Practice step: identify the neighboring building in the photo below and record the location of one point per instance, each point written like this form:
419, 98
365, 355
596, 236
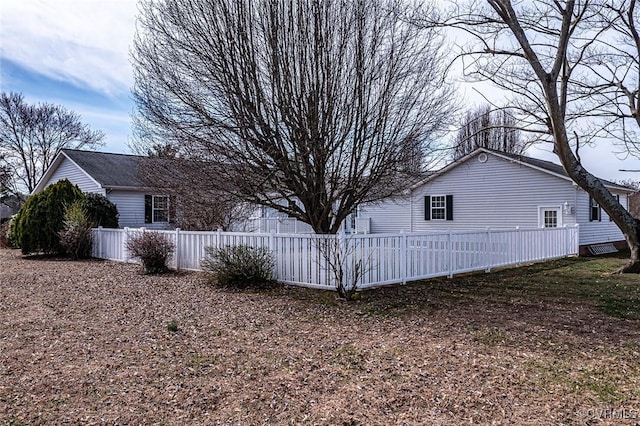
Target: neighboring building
116, 176
497, 190
9, 205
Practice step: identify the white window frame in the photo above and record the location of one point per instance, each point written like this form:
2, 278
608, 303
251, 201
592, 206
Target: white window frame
154, 209
443, 208
542, 209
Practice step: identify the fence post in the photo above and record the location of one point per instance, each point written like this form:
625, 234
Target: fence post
450, 254
518, 256
125, 240
99, 254
177, 252
347, 273
219, 238
576, 238
489, 251
404, 257
272, 241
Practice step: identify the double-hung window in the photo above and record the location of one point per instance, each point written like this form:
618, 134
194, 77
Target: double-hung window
438, 207
156, 208
160, 208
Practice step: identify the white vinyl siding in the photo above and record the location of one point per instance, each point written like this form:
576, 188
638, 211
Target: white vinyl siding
496, 194
130, 206
593, 232
68, 170
393, 215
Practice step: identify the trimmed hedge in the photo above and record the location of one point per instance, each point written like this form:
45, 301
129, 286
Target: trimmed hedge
100, 211
42, 217
38, 224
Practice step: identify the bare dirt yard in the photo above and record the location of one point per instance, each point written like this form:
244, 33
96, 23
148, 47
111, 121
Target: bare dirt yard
95, 342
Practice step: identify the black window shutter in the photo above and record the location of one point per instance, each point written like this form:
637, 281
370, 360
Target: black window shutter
148, 211
427, 207
449, 206
591, 218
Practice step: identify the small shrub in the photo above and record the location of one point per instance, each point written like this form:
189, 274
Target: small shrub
153, 249
239, 266
75, 237
172, 326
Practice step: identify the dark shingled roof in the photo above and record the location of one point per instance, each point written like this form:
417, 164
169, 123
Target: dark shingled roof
110, 170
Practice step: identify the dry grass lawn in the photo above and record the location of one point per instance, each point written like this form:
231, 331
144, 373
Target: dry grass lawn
95, 342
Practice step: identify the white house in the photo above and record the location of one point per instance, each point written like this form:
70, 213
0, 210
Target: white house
497, 190
117, 177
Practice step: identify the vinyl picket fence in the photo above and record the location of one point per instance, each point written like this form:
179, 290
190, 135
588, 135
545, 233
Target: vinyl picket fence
369, 260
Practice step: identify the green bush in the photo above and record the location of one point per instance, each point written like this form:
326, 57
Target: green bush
153, 249
75, 237
100, 211
41, 218
240, 266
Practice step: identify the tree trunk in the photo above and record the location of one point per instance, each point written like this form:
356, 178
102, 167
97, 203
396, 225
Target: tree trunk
594, 187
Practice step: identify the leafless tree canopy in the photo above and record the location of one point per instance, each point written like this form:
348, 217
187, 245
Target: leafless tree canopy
194, 204
484, 127
327, 102
32, 135
545, 54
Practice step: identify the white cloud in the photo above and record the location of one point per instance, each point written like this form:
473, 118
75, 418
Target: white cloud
85, 42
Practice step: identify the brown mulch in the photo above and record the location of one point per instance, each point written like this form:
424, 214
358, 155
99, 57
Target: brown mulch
87, 342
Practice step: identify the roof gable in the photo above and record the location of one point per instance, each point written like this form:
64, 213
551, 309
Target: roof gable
534, 163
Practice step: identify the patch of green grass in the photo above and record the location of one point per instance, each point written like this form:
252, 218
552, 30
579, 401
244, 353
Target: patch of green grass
603, 383
57, 402
492, 337
573, 281
350, 357
199, 360
577, 282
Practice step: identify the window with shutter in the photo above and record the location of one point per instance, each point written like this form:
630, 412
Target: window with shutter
438, 207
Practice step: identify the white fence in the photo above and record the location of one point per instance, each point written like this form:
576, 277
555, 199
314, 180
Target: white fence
287, 225
310, 260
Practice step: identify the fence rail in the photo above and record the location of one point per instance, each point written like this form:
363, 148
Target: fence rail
371, 260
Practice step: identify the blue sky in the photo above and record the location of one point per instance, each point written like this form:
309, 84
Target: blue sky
76, 53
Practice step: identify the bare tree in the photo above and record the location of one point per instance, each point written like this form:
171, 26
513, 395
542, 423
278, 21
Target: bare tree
485, 127
32, 135
319, 102
194, 204
540, 53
